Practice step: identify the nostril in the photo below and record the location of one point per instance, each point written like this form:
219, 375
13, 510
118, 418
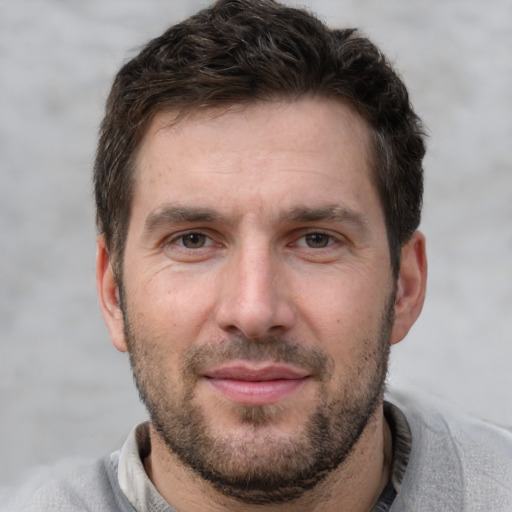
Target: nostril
258, 321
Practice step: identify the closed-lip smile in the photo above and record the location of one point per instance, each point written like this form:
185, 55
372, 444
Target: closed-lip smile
249, 383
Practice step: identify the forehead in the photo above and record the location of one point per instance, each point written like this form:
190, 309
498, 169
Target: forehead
272, 151
313, 115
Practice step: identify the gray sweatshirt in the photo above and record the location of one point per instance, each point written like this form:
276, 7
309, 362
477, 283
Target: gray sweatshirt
456, 463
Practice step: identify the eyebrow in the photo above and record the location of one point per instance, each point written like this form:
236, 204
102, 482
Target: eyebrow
173, 214
334, 213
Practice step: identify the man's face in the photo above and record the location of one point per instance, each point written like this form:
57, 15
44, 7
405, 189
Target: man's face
257, 292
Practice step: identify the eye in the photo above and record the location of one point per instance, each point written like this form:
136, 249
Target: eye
193, 240
318, 240
315, 240
191, 246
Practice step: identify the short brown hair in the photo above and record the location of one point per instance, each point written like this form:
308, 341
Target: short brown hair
240, 51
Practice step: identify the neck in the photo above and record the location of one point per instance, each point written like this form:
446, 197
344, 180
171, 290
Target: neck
356, 485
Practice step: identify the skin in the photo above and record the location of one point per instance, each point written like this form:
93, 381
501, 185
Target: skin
255, 268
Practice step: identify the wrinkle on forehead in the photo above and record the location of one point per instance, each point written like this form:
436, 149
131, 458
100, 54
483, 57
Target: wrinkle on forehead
205, 143
175, 121
270, 121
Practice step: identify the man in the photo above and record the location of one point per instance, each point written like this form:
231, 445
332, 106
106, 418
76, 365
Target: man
258, 185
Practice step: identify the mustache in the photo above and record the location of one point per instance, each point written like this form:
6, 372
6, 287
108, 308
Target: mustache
270, 348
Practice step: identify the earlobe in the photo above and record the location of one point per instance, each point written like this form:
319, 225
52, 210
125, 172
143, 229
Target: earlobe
108, 295
411, 286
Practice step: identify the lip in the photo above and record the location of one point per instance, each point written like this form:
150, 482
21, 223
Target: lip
249, 384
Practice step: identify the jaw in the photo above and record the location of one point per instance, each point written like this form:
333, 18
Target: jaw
365, 467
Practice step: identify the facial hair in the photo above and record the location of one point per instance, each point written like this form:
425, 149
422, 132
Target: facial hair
262, 468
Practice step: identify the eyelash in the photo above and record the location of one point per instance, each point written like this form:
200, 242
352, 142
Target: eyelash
329, 239
202, 238
179, 240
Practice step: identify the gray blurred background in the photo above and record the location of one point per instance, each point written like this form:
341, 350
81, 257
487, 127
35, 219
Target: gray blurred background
64, 390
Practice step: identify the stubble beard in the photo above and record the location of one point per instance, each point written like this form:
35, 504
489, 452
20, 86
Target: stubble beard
262, 468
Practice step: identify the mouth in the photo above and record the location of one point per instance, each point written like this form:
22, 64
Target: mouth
249, 384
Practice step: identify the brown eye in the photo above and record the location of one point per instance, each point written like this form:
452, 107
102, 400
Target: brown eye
193, 240
317, 240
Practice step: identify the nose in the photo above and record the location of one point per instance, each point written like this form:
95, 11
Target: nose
254, 297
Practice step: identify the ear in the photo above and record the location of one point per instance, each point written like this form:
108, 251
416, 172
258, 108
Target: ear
411, 286
108, 295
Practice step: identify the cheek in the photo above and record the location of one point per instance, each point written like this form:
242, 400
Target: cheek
338, 305
169, 308
345, 317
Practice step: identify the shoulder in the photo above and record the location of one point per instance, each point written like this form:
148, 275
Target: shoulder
84, 486
457, 462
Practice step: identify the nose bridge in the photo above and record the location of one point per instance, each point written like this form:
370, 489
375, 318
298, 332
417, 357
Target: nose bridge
255, 275
253, 300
